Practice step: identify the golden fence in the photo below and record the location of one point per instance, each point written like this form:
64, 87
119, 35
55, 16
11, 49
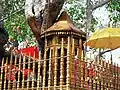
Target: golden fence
25, 73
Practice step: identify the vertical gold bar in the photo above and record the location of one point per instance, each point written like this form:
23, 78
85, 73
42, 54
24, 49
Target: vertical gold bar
62, 65
19, 67
80, 68
9, 81
6, 67
55, 70
44, 66
111, 75
77, 69
72, 62
28, 79
106, 75
68, 64
14, 81
34, 76
108, 67
49, 78
113, 83
39, 77
23, 79
102, 79
1, 76
115, 75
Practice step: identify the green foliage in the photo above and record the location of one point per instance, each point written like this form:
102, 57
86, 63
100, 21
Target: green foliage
114, 8
15, 23
76, 9
77, 12
10, 6
69, 1
17, 27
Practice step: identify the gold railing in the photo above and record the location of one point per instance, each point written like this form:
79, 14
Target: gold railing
26, 73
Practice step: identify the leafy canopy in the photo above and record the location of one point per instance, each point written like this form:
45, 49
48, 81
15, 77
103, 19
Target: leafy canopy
15, 23
114, 9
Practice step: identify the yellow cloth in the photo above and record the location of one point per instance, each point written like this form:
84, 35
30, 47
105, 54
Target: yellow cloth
105, 38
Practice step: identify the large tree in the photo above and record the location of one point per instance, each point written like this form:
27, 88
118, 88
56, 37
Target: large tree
41, 14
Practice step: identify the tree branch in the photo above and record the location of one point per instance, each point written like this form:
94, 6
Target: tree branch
101, 53
51, 11
101, 3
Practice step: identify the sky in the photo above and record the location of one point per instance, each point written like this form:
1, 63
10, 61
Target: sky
115, 56
102, 15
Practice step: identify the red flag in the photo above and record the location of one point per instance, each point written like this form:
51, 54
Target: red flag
30, 51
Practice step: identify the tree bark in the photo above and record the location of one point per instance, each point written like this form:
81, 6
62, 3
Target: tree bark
100, 3
89, 15
41, 14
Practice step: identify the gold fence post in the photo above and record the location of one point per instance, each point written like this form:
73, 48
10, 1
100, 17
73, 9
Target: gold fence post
1, 75
14, 81
117, 78
6, 67
49, 78
68, 64
39, 77
9, 81
44, 65
103, 74
23, 79
28, 79
77, 60
33, 72
72, 64
55, 58
62, 65
19, 67
80, 63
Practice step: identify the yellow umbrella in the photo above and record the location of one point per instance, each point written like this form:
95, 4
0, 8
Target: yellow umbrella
105, 38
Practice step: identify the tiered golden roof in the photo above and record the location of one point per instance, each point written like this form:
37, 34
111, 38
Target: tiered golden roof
64, 24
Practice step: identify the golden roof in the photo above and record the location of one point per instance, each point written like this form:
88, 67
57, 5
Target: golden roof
64, 24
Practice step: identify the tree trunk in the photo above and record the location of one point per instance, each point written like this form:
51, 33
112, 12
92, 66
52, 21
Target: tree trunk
89, 15
41, 14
